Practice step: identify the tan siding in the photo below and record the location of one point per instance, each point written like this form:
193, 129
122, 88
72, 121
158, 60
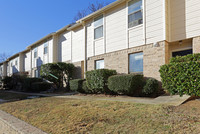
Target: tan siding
116, 28
185, 18
99, 46
64, 44
154, 21
77, 45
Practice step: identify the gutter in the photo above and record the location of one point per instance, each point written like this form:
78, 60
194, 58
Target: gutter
49, 35
101, 10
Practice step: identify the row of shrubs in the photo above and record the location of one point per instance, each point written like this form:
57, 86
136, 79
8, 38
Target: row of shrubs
108, 82
23, 83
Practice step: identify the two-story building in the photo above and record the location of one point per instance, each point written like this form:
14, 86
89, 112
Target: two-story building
130, 36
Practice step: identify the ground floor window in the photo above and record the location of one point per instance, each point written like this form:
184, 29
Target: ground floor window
136, 63
37, 73
99, 64
182, 52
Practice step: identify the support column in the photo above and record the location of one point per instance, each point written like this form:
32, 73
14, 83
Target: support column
5, 69
196, 44
21, 62
55, 48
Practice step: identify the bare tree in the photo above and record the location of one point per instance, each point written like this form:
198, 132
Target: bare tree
93, 7
4, 56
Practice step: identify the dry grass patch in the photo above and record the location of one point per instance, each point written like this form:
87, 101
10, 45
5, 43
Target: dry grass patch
61, 116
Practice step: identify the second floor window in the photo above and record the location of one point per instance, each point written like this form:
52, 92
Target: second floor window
45, 48
16, 63
35, 53
98, 27
134, 13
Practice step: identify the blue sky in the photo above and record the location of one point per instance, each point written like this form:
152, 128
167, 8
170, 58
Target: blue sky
23, 22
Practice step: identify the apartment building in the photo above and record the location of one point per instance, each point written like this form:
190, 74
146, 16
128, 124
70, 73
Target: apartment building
130, 36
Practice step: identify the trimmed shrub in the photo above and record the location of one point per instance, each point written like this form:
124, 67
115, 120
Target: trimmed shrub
76, 85
7, 82
126, 84
187, 58
85, 88
40, 86
97, 80
59, 73
27, 85
151, 86
182, 77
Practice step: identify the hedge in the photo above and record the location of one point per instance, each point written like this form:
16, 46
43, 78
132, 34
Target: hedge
126, 84
187, 58
182, 77
85, 88
151, 86
40, 86
76, 85
27, 84
97, 80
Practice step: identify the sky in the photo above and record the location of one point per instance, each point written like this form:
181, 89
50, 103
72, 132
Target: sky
23, 22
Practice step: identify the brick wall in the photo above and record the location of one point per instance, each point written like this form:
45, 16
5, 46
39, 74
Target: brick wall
196, 45
154, 57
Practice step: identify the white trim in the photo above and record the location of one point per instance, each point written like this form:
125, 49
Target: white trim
144, 19
169, 20
104, 32
164, 20
127, 29
71, 45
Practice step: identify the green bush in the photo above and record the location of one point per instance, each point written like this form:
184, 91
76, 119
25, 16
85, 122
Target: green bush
85, 88
27, 84
126, 84
59, 73
151, 86
187, 58
182, 77
97, 80
76, 85
40, 86
7, 82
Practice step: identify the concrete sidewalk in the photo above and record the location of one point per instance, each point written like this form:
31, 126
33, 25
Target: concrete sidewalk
174, 100
11, 125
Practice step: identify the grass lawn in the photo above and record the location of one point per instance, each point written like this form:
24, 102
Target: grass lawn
61, 116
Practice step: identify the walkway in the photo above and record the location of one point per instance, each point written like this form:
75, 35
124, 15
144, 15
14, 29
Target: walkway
11, 125
174, 100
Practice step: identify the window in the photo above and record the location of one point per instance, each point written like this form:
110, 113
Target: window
45, 48
99, 64
182, 53
134, 13
35, 53
136, 63
37, 73
16, 62
98, 27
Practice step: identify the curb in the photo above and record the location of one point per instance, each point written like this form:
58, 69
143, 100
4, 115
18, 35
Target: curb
19, 125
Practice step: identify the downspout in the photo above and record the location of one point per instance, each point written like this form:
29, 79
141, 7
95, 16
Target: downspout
85, 48
144, 22
31, 62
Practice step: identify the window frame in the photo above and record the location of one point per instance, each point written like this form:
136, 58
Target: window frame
95, 63
129, 63
128, 14
181, 49
96, 27
46, 46
16, 62
35, 55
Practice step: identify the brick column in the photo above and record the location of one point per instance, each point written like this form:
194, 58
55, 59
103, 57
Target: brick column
196, 44
154, 57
